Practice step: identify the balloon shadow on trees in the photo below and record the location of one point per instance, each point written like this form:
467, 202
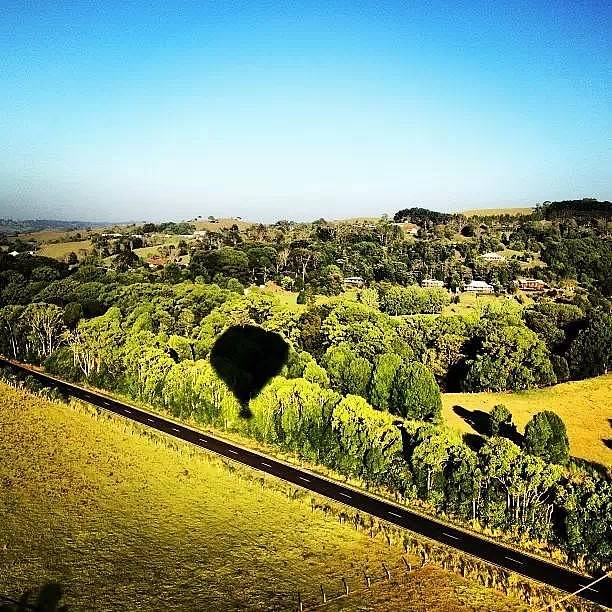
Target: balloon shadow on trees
246, 357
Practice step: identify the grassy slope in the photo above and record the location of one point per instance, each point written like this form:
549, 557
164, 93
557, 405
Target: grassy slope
62, 249
583, 405
122, 522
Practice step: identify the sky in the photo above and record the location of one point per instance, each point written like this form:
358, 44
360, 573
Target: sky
157, 110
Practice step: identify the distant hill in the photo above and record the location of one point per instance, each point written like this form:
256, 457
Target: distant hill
12, 226
489, 212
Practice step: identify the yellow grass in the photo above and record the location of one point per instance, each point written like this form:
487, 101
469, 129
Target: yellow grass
124, 521
62, 249
584, 406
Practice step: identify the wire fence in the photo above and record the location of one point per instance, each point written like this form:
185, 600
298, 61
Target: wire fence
350, 586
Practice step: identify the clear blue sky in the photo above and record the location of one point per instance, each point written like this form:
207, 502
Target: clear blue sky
158, 110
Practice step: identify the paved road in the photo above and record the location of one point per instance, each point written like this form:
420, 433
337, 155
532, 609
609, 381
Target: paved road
509, 558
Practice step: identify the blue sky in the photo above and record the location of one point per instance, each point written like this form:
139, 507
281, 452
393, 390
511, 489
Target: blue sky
268, 110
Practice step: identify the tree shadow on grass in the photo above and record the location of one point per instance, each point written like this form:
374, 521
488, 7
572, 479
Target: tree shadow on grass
48, 600
480, 421
246, 357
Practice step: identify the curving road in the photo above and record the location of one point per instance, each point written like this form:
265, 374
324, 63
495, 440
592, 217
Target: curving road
509, 558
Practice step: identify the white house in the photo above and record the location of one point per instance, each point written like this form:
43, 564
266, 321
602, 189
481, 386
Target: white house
432, 282
477, 286
353, 281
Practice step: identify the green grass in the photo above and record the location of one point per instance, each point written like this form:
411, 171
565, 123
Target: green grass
583, 405
124, 520
469, 301
61, 250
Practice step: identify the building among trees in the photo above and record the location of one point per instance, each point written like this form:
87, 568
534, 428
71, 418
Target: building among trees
478, 286
432, 282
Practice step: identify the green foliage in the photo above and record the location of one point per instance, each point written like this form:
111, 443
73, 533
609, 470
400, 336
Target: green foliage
546, 437
590, 353
499, 416
381, 382
397, 300
415, 393
314, 373
356, 376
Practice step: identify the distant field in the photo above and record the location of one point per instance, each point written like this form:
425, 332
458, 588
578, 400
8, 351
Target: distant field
122, 521
468, 301
46, 235
203, 224
62, 249
497, 211
585, 407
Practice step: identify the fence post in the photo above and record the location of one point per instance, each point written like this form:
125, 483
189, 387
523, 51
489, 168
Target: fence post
368, 580
323, 595
407, 564
300, 604
346, 589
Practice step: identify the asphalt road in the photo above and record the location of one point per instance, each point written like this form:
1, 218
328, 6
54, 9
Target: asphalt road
531, 567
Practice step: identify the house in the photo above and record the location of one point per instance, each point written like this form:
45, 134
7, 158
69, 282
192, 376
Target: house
353, 281
478, 286
531, 284
432, 282
493, 257
14, 253
409, 228
156, 261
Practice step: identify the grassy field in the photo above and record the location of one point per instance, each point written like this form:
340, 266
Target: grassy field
469, 301
583, 405
61, 249
122, 520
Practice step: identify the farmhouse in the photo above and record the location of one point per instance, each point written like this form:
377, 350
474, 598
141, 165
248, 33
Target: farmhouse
353, 281
477, 286
432, 282
531, 284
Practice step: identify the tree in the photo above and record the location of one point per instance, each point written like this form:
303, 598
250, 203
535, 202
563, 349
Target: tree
46, 322
415, 393
499, 417
226, 261
356, 376
381, 382
546, 437
73, 312
314, 373
590, 354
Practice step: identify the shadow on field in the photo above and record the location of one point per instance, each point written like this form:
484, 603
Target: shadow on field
480, 421
246, 357
48, 600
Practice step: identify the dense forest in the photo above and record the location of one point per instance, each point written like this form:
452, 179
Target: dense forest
360, 390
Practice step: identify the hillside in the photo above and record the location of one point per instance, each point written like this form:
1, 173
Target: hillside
583, 405
123, 521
